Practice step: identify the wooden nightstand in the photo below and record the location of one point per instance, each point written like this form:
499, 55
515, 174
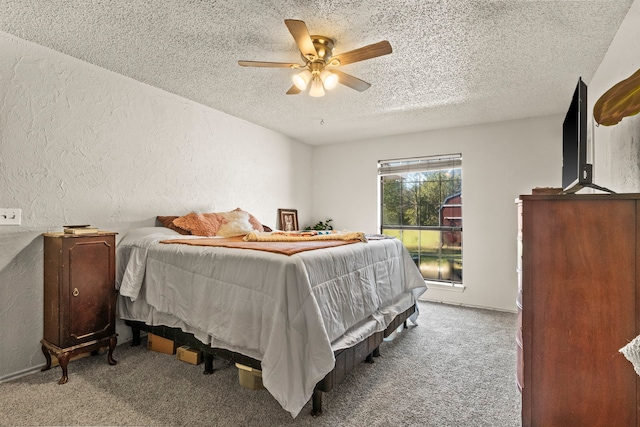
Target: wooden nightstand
79, 296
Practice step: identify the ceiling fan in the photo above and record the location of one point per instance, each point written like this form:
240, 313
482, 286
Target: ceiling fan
317, 54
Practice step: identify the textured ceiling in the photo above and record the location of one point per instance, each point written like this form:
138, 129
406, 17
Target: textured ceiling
454, 62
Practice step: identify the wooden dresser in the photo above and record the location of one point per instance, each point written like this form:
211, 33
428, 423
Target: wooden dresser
580, 302
79, 296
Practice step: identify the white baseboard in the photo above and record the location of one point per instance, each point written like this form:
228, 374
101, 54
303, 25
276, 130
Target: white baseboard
20, 374
424, 298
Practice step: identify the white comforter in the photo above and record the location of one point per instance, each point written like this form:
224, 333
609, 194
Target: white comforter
289, 312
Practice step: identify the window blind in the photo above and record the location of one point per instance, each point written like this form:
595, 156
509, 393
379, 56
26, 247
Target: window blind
419, 164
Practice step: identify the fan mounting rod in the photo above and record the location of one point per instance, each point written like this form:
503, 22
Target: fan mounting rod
324, 48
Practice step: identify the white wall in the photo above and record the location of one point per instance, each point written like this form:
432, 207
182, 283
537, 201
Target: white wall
79, 144
617, 148
500, 162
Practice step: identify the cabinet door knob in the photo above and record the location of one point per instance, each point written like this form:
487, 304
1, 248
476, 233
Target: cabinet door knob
75, 292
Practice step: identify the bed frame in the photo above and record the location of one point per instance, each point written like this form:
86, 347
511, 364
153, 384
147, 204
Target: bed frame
346, 359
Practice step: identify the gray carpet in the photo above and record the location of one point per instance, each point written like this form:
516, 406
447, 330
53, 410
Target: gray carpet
456, 368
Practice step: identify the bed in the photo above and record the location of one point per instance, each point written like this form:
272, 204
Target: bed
291, 314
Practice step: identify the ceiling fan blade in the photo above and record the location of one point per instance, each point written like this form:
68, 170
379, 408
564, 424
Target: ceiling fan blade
269, 64
300, 33
352, 82
293, 90
366, 52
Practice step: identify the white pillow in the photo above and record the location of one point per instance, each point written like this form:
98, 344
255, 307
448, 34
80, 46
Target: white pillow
237, 223
142, 232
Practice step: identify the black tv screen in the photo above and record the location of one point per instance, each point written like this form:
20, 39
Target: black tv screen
576, 173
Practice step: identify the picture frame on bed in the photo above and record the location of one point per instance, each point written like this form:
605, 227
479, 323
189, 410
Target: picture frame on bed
288, 219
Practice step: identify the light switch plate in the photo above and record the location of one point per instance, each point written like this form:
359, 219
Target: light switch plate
10, 216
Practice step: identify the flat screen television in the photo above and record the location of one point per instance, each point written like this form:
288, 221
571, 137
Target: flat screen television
576, 172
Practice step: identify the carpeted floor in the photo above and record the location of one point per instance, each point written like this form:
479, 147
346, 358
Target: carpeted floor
456, 368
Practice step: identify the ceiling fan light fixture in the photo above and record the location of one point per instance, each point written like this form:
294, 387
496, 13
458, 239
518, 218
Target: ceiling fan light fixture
302, 79
317, 90
317, 54
329, 79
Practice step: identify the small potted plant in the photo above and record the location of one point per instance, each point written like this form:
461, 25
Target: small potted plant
320, 226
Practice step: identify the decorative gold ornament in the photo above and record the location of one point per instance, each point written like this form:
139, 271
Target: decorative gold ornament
622, 100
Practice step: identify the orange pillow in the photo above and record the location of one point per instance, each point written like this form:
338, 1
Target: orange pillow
200, 224
209, 224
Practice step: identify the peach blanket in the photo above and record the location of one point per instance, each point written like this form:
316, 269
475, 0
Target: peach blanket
285, 248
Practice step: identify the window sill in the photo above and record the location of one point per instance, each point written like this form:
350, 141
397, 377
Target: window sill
454, 287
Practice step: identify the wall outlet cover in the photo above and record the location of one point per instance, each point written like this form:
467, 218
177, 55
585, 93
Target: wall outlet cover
10, 216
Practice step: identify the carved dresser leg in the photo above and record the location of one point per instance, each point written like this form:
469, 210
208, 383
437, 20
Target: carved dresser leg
113, 341
63, 360
47, 356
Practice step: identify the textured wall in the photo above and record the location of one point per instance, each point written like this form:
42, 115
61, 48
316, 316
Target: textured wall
617, 148
79, 144
500, 162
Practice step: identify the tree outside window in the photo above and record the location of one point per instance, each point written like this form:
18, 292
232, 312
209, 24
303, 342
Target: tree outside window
421, 204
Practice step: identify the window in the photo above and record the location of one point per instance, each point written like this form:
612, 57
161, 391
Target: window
421, 204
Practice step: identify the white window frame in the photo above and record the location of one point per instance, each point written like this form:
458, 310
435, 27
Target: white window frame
420, 164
